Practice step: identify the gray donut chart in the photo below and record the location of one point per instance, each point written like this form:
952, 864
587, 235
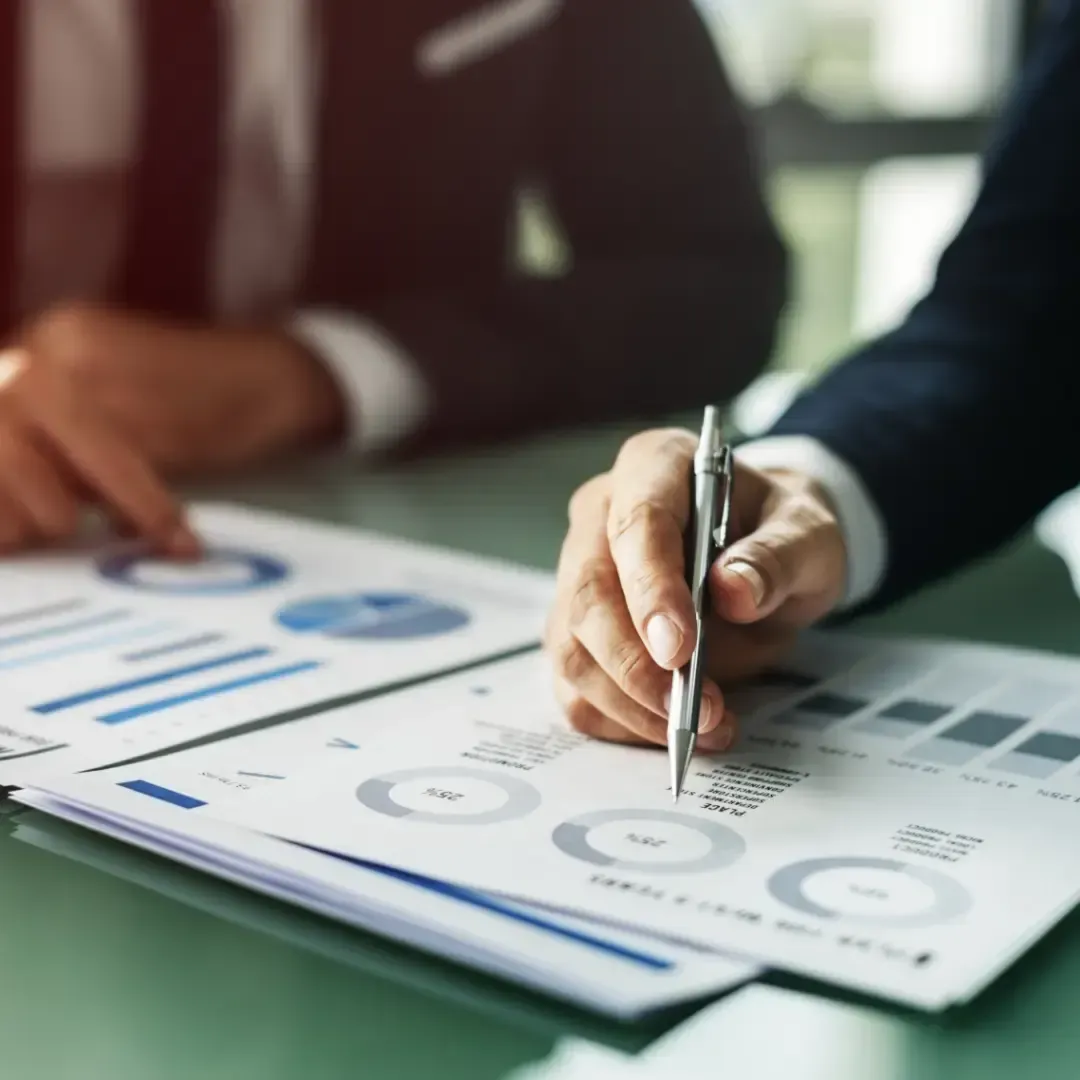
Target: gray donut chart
725, 845
377, 793
951, 899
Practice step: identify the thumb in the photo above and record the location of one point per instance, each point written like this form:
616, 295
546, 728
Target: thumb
796, 552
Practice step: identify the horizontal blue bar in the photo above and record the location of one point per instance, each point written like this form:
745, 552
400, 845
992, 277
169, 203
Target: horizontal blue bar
177, 798
136, 711
103, 642
489, 903
86, 696
101, 619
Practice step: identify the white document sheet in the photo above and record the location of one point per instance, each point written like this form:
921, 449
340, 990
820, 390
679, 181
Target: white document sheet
169, 805
899, 818
112, 655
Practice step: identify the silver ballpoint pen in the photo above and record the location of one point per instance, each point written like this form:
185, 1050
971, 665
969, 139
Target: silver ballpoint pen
707, 534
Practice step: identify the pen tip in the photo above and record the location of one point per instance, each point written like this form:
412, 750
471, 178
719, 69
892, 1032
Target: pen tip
680, 750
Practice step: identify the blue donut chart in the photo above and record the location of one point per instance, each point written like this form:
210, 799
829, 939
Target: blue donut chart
373, 616
260, 571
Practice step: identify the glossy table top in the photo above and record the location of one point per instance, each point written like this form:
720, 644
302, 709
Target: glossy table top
115, 964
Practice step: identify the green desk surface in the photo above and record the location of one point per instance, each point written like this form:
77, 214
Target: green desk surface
114, 964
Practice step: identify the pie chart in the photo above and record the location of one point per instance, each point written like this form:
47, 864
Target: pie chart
378, 616
649, 841
449, 795
871, 891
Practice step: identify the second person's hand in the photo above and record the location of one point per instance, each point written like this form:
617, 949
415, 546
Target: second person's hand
57, 457
623, 618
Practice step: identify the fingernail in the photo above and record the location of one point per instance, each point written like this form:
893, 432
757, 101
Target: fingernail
664, 638
752, 578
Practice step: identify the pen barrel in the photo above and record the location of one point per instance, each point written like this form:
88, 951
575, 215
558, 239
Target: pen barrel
686, 683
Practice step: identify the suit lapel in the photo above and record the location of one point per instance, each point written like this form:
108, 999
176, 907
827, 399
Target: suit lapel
175, 184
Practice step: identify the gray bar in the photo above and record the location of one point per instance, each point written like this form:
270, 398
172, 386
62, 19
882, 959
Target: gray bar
835, 705
1051, 745
903, 718
984, 728
968, 738
210, 638
913, 711
820, 711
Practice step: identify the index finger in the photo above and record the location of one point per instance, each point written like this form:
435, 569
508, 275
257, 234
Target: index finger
110, 467
650, 505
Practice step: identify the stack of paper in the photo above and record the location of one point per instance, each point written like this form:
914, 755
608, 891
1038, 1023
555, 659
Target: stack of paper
182, 805
897, 819
105, 657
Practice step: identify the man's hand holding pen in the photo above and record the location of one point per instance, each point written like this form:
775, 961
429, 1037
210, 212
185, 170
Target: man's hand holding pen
623, 618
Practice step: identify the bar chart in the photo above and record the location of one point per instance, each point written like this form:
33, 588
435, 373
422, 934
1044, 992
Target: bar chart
79, 665
913, 707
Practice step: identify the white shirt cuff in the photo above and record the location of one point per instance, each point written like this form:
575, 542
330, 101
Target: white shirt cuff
386, 397
860, 521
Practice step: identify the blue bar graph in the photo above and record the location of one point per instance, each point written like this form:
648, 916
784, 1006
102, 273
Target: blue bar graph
137, 711
172, 647
103, 618
84, 697
155, 791
91, 645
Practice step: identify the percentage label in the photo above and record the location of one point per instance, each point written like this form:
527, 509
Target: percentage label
441, 793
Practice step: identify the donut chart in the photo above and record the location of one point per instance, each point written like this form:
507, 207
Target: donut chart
219, 572
373, 616
455, 795
870, 891
650, 841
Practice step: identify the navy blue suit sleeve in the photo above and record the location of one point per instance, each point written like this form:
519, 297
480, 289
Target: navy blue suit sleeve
963, 422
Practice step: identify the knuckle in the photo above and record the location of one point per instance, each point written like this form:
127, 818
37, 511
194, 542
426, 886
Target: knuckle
807, 515
648, 583
669, 443
597, 587
588, 495
572, 660
645, 516
676, 445
631, 665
